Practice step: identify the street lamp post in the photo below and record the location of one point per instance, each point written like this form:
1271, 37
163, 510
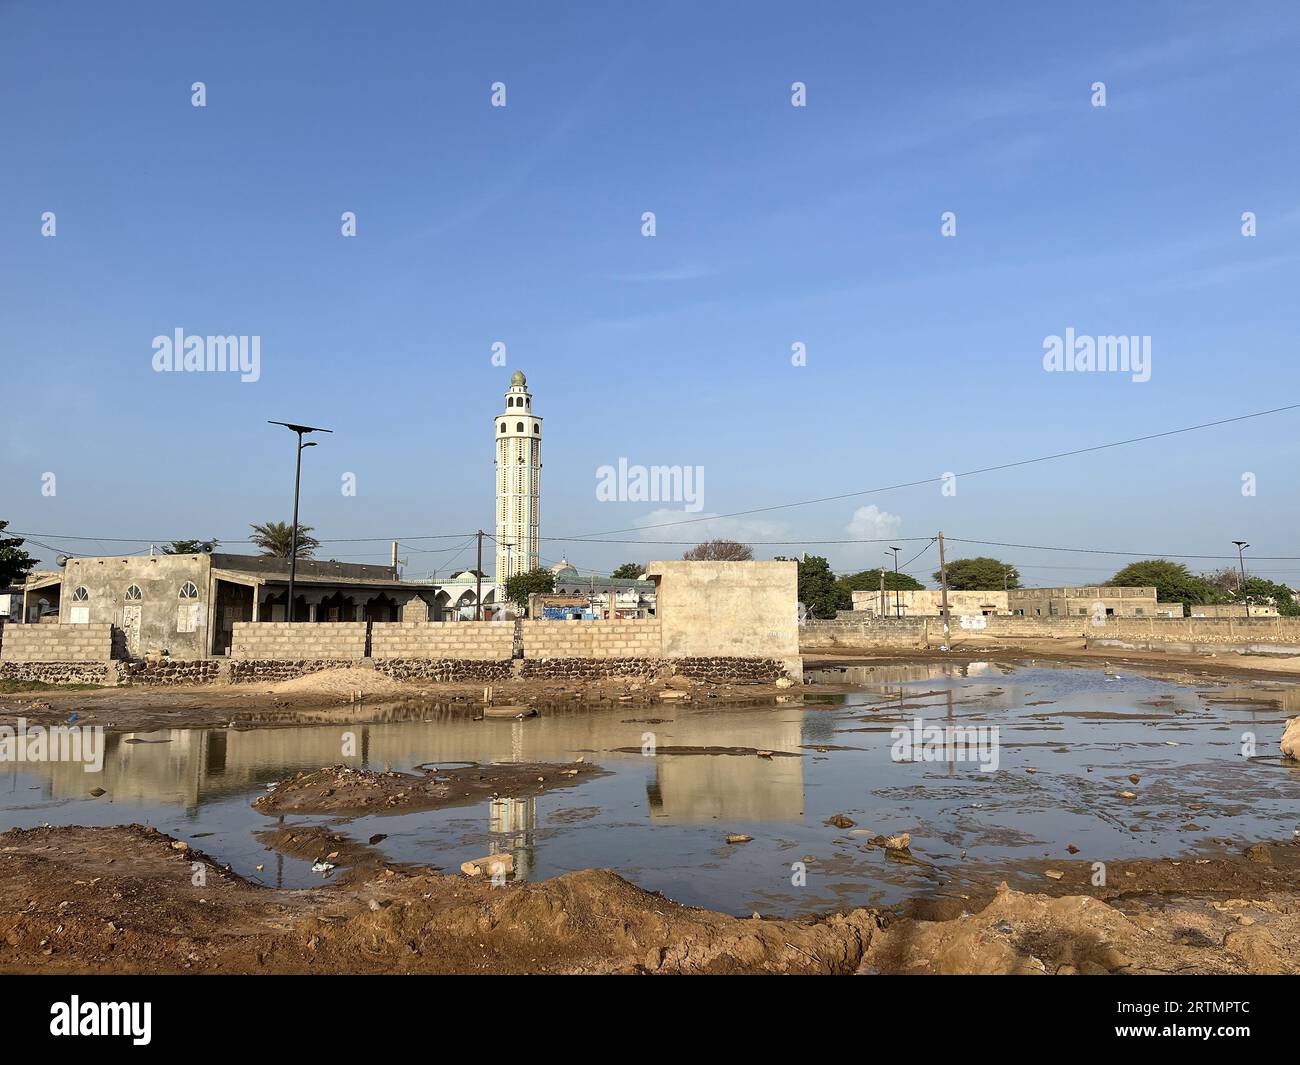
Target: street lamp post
1241, 545
898, 610
301, 430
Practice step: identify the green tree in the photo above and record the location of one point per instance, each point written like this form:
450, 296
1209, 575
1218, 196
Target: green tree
819, 591
275, 538
868, 580
190, 547
1259, 590
539, 581
629, 571
15, 563
1174, 582
980, 574
719, 551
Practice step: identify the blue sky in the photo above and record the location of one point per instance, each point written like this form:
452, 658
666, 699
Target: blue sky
775, 225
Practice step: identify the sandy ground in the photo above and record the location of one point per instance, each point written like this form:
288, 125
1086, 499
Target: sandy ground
127, 899
325, 699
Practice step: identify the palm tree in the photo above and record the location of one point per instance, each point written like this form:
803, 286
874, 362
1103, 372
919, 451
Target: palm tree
275, 538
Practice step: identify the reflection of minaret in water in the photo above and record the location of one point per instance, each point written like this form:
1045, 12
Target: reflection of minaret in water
513, 822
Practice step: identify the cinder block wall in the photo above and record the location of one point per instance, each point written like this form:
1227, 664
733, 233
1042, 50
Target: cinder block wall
630, 638
852, 634
57, 643
283, 641
478, 641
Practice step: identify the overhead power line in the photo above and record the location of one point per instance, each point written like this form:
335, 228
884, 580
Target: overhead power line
940, 478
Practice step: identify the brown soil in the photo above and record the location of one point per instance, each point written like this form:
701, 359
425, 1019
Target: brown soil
341, 789
118, 900
302, 701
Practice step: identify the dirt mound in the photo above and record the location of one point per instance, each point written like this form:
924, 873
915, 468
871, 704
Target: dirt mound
341, 681
344, 790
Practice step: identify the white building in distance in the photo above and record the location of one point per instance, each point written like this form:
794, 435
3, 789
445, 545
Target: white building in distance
519, 468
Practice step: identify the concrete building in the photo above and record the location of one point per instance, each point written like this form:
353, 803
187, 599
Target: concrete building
1233, 610
1109, 600
927, 602
606, 597
519, 466
188, 604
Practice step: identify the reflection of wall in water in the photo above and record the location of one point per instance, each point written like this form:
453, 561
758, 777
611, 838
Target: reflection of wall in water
513, 824
701, 787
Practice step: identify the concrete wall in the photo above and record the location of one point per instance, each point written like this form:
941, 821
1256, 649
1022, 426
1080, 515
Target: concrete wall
283, 641
57, 643
633, 638
742, 610
852, 632
480, 641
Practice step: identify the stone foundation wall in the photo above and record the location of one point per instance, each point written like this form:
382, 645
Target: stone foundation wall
57, 672
444, 669
731, 670
270, 671
57, 643
169, 671
283, 641
485, 641
591, 668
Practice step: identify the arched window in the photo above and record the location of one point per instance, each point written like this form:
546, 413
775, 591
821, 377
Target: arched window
503, 427
510, 401
519, 428
81, 595
133, 594
537, 429
189, 591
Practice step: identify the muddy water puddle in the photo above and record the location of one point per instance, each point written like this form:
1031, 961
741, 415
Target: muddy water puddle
976, 805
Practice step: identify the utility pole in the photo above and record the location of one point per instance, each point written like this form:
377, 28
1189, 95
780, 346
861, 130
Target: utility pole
394, 560
943, 584
882, 591
898, 609
478, 580
1241, 586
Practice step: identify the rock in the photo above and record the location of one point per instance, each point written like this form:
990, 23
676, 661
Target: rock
97, 792
1291, 739
898, 843
1260, 854
737, 837
178, 845
1127, 794
492, 865
1133, 778
840, 821
1054, 874
1072, 849
784, 682
378, 837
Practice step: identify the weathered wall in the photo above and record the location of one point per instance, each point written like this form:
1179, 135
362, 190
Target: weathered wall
482, 641
159, 578
729, 610
862, 632
283, 641
57, 643
851, 631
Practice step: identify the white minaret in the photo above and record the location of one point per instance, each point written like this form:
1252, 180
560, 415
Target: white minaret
519, 467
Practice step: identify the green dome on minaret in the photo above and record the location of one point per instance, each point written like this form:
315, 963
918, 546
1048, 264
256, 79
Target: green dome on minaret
518, 378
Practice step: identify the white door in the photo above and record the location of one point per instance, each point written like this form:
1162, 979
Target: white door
131, 627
